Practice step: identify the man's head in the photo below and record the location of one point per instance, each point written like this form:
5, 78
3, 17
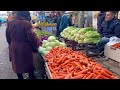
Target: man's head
58, 14
62, 12
70, 15
14, 13
109, 15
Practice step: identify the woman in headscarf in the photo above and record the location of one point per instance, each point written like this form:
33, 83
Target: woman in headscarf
21, 39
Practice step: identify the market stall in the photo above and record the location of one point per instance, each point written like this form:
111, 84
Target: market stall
70, 58
62, 62
74, 66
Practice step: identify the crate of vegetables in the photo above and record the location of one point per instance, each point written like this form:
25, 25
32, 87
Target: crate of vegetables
64, 63
113, 52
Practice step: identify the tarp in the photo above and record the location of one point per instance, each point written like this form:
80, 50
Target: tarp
2, 19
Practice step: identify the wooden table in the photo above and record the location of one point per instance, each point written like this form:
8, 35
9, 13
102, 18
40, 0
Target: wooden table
48, 72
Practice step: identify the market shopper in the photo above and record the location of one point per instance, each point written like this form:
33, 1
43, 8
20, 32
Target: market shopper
63, 22
100, 19
58, 24
20, 37
110, 27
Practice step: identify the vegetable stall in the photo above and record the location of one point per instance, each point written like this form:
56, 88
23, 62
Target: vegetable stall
63, 62
49, 27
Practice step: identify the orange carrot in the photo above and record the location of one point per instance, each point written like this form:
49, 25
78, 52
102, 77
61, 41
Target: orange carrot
51, 69
84, 71
59, 77
108, 72
67, 61
107, 75
68, 76
60, 60
90, 76
78, 77
84, 77
103, 77
96, 72
98, 77
77, 64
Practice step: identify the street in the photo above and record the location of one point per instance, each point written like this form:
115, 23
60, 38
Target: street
6, 71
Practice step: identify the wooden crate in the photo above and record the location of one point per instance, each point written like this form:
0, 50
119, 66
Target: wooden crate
48, 72
112, 53
90, 49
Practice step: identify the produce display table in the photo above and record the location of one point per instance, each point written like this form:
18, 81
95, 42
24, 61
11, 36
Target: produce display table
49, 75
49, 29
48, 72
88, 47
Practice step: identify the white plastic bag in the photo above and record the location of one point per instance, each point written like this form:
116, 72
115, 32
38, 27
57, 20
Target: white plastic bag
113, 40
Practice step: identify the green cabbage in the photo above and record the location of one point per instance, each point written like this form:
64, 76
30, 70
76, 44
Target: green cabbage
92, 40
92, 34
84, 30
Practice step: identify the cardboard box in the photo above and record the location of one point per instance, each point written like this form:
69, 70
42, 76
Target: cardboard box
112, 53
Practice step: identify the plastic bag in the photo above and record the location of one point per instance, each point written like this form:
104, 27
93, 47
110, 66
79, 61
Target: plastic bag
113, 40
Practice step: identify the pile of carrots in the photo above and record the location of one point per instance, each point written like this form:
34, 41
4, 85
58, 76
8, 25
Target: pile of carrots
117, 45
64, 63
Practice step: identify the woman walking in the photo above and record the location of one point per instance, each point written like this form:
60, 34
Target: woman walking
21, 39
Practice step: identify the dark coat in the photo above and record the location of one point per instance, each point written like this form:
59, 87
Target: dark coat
58, 25
100, 19
20, 37
70, 21
110, 28
58, 22
63, 23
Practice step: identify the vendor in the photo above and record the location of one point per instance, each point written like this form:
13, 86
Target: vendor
63, 22
110, 27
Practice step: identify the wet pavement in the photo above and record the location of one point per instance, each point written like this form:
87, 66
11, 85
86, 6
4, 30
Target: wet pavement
6, 71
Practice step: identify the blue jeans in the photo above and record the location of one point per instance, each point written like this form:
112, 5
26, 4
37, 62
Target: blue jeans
101, 45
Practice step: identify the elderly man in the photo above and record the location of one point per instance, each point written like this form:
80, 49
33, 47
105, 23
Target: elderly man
110, 27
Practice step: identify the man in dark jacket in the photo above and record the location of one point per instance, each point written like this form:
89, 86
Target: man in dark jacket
110, 27
58, 23
63, 22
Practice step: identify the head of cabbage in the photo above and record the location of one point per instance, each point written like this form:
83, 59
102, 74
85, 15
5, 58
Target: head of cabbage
41, 49
62, 44
51, 38
52, 44
92, 40
92, 34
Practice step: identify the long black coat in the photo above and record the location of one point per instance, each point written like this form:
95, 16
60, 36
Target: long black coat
21, 39
110, 28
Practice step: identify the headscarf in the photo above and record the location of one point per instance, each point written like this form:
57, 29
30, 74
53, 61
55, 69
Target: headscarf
25, 14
